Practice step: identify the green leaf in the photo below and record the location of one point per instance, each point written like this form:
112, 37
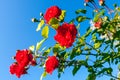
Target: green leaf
98, 15
57, 48
81, 18
97, 44
54, 23
75, 52
47, 52
44, 74
39, 44
32, 48
45, 32
119, 66
40, 25
88, 32
94, 38
108, 70
76, 68
91, 76
115, 5
43, 49
80, 11
61, 17
71, 21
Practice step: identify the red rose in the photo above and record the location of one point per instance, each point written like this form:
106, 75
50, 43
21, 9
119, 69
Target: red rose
23, 57
17, 70
52, 12
51, 64
98, 24
66, 34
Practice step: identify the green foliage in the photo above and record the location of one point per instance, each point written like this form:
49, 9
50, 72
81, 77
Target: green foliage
39, 44
46, 52
40, 25
75, 52
97, 44
76, 68
54, 23
91, 76
32, 48
62, 16
105, 71
95, 53
45, 32
44, 74
98, 15
81, 11
81, 18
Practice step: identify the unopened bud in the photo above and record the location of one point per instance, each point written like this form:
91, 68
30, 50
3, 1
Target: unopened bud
41, 14
13, 57
34, 20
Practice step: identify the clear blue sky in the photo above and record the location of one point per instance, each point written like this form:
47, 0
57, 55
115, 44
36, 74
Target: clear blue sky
18, 32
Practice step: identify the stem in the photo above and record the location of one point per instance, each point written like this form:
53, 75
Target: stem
41, 57
112, 76
110, 40
88, 54
93, 3
92, 47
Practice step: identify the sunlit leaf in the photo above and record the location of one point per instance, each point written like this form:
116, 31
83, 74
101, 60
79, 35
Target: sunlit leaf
98, 15
32, 48
39, 44
40, 25
88, 32
54, 23
44, 74
61, 17
46, 52
81, 18
91, 76
75, 70
80, 11
45, 31
97, 44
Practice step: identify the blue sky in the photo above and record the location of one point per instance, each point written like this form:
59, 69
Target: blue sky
18, 32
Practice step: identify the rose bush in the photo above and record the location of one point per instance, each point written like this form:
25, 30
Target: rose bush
99, 47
